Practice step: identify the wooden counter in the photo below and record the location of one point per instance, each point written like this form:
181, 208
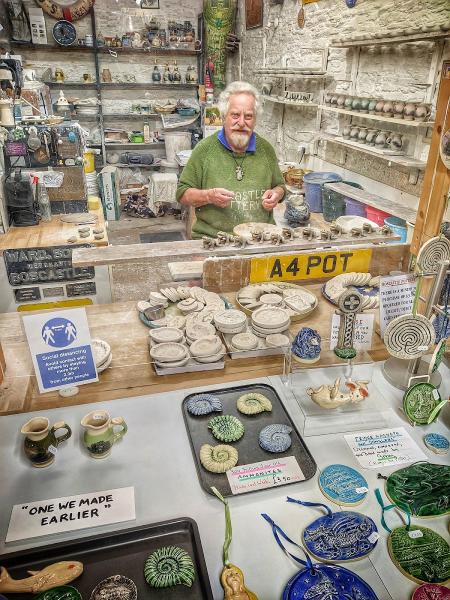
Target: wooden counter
131, 373
51, 233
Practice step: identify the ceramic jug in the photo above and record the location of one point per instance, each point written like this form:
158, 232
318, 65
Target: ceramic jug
356, 104
346, 132
354, 132
372, 105
388, 109
327, 98
399, 107
380, 140
99, 435
379, 107
371, 136
364, 105
362, 135
422, 112
409, 111
41, 442
394, 141
340, 101
348, 103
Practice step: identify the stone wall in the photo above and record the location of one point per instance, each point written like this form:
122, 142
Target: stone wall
389, 72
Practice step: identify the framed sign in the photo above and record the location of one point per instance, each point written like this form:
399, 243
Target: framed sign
253, 14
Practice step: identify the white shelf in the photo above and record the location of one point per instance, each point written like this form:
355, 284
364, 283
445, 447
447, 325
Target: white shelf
279, 100
300, 73
404, 161
396, 38
354, 113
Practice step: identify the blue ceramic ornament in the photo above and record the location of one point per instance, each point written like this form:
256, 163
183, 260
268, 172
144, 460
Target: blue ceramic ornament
203, 404
316, 581
343, 485
339, 536
350, 3
306, 346
436, 442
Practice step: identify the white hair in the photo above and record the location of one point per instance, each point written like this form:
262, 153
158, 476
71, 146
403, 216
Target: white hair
238, 87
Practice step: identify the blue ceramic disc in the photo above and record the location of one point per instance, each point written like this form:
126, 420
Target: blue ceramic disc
436, 442
345, 536
343, 485
328, 582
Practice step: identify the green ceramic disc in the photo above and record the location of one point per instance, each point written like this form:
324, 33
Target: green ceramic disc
169, 566
419, 402
62, 592
424, 559
423, 487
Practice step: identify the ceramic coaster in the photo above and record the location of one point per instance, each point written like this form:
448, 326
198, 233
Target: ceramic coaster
277, 340
115, 587
431, 591
271, 299
166, 334
244, 341
436, 442
432, 253
409, 336
420, 403
168, 352
343, 485
422, 487
271, 318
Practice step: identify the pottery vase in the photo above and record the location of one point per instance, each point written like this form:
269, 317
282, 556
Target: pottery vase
340, 101
379, 107
388, 109
348, 103
364, 105
409, 111
372, 105
380, 140
346, 132
41, 442
394, 141
422, 112
362, 135
399, 107
100, 435
371, 136
354, 132
356, 104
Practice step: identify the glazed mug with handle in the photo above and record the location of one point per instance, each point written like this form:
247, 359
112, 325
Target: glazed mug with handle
101, 432
41, 442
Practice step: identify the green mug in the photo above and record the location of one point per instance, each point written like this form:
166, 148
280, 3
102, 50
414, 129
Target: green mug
101, 432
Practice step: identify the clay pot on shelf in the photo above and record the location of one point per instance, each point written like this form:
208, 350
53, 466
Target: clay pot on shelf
422, 112
346, 132
388, 109
364, 105
394, 141
379, 107
362, 135
348, 103
371, 107
409, 111
371, 136
334, 99
327, 98
340, 101
354, 132
380, 140
399, 107
356, 104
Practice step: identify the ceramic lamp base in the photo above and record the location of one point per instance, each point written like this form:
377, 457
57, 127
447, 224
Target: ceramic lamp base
305, 361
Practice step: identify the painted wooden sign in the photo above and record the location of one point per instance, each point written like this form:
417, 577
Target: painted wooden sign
315, 265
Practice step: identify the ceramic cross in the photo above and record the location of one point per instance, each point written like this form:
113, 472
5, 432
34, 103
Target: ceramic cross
350, 304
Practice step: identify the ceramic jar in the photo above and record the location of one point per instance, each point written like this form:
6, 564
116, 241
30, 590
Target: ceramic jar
356, 104
379, 107
388, 109
399, 107
380, 140
354, 132
362, 135
340, 101
100, 436
394, 141
348, 103
365, 105
409, 111
371, 107
422, 112
371, 136
346, 132
41, 443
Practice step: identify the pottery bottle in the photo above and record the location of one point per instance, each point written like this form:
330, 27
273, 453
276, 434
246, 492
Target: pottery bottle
379, 107
356, 104
100, 435
388, 109
409, 111
422, 112
354, 132
346, 132
372, 105
167, 74
41, 443
364, 105
156, 74
371, 136
380, 140
362, 134
348, 103
399, 107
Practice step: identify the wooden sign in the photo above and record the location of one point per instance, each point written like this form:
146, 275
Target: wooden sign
317, 265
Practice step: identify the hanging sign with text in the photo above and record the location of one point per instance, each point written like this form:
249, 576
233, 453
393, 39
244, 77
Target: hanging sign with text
60, 346
264, 474
396, 297
363, 331
33, 519
316, 265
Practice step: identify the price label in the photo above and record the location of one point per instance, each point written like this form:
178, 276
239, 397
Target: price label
52, 449
416, 533
317, 265
265, 474
373, 537
436, 395
361, 490
98, 417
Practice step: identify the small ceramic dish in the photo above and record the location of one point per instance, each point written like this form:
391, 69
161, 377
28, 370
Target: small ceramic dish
206, 347
166, 334
212, 359
230, 330
200, 330
172, 364
271, 299
154, 312
142, 305
244, 341
277, 340
101, 351
229, 319
270, 318
168, 352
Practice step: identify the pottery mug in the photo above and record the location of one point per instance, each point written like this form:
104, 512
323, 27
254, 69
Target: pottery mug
348, 103
100, 435
422, 112
41, 442
362, 135
346, 132
334, 99
394, 141
399, 107
388, 109
372, 105
380, 140
365, 105
340, 101
356, 104
354, 132
371, 136
379, 107
409, 111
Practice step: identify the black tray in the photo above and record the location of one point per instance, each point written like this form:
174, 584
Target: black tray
248, 446
120, 553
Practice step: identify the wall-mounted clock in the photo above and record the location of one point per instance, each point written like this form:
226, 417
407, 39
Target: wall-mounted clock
64, 33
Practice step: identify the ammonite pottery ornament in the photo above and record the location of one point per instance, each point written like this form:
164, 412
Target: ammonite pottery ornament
253, 404
339, 536
226, 428
422, 403
169, 566
116, 587
62, 592
275, 438
343, 485
203, 404
409, 336
423, 488
218, 459
431, 591
432, 253
232, 581
436, 442
318, 581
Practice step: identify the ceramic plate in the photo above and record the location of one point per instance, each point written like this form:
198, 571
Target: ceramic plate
168, 352
206, 347
165, 334
245, 229
343, 485
409, 336
268, 318
419, 402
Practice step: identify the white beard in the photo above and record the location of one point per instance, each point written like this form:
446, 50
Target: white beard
240, 140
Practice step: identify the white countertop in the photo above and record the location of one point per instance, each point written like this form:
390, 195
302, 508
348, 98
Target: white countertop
155, 457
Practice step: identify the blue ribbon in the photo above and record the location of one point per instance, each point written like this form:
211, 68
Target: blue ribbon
277, 530
304, 503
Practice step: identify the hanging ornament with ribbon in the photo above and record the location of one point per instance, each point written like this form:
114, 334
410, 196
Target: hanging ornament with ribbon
231, 578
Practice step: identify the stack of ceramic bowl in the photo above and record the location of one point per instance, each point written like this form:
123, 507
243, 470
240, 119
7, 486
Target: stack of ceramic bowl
102, 354
195, 331
163, 335
170, 354
230, 321
156, 298
270, 320
207, 349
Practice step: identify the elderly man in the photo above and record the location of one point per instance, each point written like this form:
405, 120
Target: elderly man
232, 177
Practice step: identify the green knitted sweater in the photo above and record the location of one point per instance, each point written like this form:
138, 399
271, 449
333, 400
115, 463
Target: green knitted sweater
211, 165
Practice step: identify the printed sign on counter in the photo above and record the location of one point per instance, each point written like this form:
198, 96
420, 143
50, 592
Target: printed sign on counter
60, 345
33, 519
315, 265
384, 448
264, 474
363, 331
396, 297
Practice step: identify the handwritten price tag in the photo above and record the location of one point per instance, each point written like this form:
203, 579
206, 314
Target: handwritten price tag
264, 474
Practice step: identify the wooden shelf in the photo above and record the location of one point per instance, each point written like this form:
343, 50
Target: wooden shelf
51, 47
131, 145
354, 113
402, 160
300, 74
418, 36
277, 100
107, 49
118, 117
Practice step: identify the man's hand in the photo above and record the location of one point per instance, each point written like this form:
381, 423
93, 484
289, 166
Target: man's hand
272, 197
220, 197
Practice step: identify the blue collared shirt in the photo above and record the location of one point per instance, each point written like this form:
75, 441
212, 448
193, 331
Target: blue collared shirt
223, 140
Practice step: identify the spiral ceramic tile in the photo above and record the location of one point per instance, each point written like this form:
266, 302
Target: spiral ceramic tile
419, 402
226, 428
253, 404
169, 566
275, 438
218, 459
203, 404
409, 336
432, 253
